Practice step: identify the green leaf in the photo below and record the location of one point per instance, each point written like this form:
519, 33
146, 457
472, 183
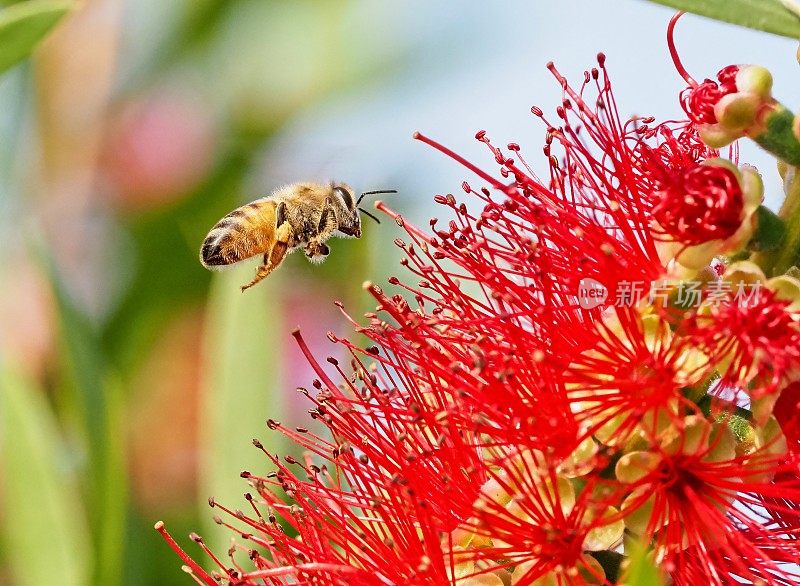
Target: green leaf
112, 502
44, 525
242, 388
640, 570
770, 231
23, 25
778, 260
97, 399
771, 16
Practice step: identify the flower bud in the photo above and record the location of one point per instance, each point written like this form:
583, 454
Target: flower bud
486, 579
605, 536
786, 288
737, 112
715, 136
689, 438
638, 510
754, 79
745, 272
635, 466
722, 444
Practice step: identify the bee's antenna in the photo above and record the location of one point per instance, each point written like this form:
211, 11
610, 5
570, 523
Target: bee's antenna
373, 193
365, 212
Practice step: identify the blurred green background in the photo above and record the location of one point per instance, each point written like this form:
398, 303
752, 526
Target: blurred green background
131, 379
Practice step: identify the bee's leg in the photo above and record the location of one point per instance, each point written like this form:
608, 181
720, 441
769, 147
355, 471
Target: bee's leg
261, 272
316, 249
273, 258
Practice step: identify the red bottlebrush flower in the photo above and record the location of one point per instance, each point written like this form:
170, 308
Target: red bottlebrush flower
499, 431
632, 381
738, 104
699, 100
755, 339
710, 511
531, 515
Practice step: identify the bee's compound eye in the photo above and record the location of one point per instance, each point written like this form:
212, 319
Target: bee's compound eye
345, 196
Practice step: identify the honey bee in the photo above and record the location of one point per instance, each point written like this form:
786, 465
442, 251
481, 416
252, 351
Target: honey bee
298, 215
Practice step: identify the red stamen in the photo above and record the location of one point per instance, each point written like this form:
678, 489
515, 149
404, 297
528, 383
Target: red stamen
312, 360
299, 568
676, 60
200, 572
508, 189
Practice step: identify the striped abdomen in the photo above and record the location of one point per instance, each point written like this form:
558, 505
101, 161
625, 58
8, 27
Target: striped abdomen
245, 232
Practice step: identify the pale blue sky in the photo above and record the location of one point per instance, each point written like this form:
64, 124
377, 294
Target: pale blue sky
482, 65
